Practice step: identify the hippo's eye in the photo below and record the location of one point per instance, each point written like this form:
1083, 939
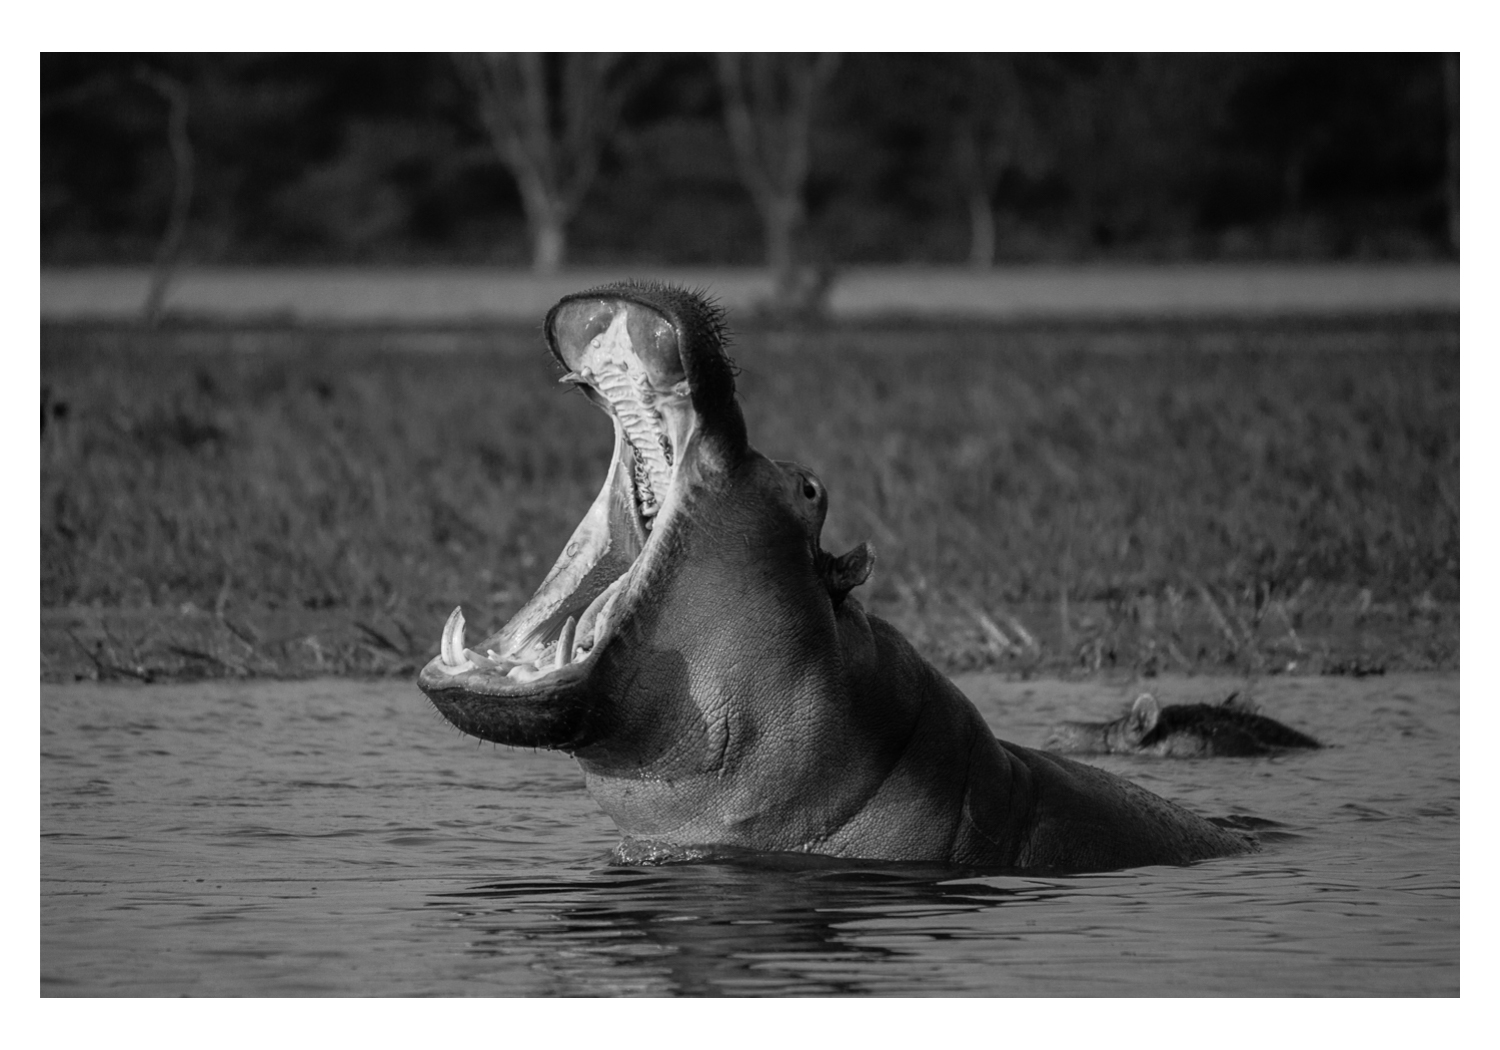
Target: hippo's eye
809, 488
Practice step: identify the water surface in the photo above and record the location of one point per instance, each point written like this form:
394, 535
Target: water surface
339, 838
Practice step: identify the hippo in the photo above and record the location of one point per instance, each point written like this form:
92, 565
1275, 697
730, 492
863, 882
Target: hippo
1231, 728
702, 658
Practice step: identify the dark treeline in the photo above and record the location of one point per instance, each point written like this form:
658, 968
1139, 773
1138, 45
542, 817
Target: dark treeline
702, 159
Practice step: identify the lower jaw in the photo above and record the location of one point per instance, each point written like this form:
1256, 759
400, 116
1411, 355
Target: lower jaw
558, 717
547, 671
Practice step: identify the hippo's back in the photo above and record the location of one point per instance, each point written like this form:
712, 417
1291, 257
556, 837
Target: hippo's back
1220, 729
1086, 819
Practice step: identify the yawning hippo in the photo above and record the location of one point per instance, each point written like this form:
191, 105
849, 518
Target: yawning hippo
697, 651
1232, 728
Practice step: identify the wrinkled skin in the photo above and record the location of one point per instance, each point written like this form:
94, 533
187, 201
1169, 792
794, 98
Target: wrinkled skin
1229, 729
720, 687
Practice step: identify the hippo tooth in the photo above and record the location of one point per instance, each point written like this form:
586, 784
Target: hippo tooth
601, 620
565, 643
587, 620
453, 637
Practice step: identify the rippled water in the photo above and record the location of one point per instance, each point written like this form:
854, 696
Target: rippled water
337, 837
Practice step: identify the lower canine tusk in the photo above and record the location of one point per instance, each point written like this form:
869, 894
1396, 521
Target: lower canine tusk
453, 638
565, 643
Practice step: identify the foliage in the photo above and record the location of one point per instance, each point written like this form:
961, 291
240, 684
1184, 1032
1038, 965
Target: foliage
383, 158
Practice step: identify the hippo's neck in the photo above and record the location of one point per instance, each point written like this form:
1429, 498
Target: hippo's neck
729, 707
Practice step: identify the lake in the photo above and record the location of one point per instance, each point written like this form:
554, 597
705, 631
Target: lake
337, 837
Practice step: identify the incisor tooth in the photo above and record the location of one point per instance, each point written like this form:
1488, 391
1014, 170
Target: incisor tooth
525, 673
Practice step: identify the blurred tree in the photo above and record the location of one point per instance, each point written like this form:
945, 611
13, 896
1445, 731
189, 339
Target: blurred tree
995, 130
1129, 131
174, 93
549, 118
96, 90
668, 191
1344, 155
768, 110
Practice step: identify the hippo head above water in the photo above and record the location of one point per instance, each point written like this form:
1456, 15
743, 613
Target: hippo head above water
687, 509
699, 654
1231, 728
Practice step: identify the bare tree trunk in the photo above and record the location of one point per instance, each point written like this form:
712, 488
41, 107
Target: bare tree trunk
549, 131
549, 243
784, 218
170, 248
978, 177
546, 223
768, 108
981, 230
994, 130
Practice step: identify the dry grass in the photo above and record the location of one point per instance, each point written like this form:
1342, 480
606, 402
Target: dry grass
286, 501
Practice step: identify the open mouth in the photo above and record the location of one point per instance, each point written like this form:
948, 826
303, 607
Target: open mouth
624, 357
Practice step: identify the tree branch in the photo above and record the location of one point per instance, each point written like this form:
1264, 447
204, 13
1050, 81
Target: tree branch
550, 132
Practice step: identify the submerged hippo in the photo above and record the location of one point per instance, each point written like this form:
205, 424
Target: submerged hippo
1232, 728
698, 653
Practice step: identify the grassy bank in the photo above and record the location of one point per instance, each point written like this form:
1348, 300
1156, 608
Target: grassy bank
1047, 498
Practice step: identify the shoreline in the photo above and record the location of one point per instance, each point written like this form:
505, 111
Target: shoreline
1024, 641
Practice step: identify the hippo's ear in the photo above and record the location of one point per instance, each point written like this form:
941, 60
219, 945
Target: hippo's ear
1143, 715
846, 572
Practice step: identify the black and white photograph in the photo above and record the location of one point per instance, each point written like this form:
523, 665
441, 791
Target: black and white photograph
701, 524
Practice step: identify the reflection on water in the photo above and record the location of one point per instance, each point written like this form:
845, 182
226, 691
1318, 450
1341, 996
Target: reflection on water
718, 929
338, 838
